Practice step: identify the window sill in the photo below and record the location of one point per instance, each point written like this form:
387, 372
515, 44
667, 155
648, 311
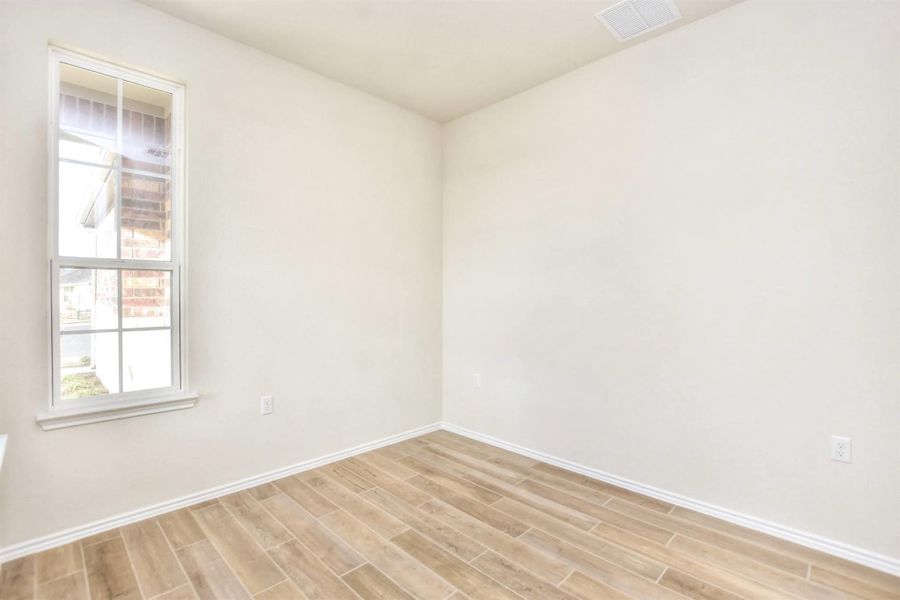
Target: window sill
58, 419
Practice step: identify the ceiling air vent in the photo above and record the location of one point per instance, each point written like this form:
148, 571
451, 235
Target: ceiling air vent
631, 18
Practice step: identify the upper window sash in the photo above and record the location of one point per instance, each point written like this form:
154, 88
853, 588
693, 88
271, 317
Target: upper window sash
109, 154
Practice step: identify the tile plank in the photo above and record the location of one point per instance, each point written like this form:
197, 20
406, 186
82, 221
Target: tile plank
56, 562
210, 577
487, 468
372, 584
394, 452
775, 559
551, 507
17, 578
457, 484
438, 532
379, 478
494, 518
517, 578
386, 464
723, 559
154, 563
266, 490
298, 491
490, 453
692, 587
310, 574
468, 579
100, 537
253, 567
181, 528
437, 461
185, 592
601, 513
850, 585
256, 520
203, 504
604, 571
601, 487
70, 587
721, 578
383, 523
328, 547
627, 559
539, 563
581, 586
408, 573
848, 569
346, 477
109, 571
286, 590
856, 572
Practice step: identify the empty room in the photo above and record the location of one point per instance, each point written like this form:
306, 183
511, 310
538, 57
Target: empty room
450, 299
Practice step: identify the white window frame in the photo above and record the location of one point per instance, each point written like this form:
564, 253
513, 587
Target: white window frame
66, 413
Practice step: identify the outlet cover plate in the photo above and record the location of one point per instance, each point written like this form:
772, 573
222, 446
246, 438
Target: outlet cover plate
841, 448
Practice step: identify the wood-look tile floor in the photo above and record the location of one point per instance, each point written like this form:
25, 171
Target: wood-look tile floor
437, 517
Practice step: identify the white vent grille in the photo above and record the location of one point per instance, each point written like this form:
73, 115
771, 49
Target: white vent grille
630, 18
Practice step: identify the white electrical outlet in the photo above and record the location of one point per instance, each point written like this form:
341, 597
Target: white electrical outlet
266, 405
476, 380
841, 448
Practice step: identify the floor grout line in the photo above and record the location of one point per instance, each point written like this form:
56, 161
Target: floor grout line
87, 581
277, 583
67, 574
367, 561
661, 574
116, 529
178, 587
283, 526
131, 562
419, 531
563, 580
221, 556
175, 554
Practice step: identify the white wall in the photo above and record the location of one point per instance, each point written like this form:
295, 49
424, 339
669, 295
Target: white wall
314, 273
680, 265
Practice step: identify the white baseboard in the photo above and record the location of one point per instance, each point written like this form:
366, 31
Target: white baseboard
75, 533
854, 554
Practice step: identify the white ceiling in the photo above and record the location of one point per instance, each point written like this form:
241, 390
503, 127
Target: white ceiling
440, 58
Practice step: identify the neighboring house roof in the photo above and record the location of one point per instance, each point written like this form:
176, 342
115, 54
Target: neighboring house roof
75, 276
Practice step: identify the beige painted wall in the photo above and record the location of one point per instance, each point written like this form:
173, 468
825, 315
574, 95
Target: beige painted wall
314, 271
680, 265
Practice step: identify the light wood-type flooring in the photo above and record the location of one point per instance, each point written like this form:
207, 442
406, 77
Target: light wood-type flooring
438, 517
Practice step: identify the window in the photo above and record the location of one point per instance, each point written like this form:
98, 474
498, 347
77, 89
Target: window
116, 241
